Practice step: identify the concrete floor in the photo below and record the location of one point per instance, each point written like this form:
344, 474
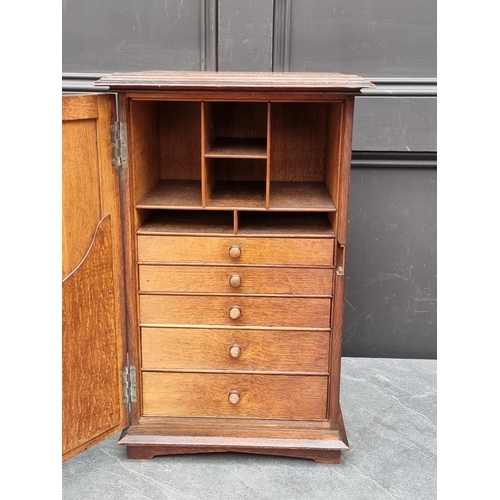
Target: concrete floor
389, 408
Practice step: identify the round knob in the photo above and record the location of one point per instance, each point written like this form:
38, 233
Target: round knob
234, 312
234, 397
234, 251
235, 280
235, 351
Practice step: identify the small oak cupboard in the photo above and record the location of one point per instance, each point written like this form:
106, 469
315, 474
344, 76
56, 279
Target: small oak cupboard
204, 244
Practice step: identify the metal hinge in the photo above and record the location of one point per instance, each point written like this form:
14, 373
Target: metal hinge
129, 384
119, 144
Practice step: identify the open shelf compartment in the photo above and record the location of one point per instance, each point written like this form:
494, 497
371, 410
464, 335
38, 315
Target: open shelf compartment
245, 156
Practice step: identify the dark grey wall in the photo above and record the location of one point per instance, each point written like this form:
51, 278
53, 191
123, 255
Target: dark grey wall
390, 308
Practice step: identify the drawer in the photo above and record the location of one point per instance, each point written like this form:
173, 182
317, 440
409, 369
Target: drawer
215, 250
235, 350
242, 280
299, 397
304, 312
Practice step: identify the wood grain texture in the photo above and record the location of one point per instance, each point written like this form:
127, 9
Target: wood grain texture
334, 131
243, 120
231, 147
151, 451
298, 438
93, 308
246, 195
275, 311
268, 155
252, 280
336, 340
260, 350
91, 386
178, 194
144, 149
195, 179
77, 107
275, 81
255, 223
178, 222
344, 169
207, 165
262, 396
267, 251
299, 141
170, 430
132, 218
81, 209
286, 223
296, 196
180, 140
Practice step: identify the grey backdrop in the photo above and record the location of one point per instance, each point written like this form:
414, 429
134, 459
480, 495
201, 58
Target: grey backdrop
390, 306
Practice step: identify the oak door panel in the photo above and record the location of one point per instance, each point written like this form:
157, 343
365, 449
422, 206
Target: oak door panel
93, 331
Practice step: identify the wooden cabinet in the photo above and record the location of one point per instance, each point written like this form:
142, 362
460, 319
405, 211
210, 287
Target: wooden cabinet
203, 292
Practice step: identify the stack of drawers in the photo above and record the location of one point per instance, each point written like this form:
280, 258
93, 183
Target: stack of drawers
235, 327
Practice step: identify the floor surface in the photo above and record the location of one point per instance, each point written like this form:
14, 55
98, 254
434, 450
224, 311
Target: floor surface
389, 409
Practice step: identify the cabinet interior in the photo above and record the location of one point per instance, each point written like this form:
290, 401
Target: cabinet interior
235, 166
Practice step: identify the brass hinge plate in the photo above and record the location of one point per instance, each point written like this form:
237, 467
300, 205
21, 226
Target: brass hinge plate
119, 144
129, 385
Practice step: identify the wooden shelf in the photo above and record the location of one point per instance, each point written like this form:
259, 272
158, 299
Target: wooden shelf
306, 224
231, 147
251, 223
189, 222
175, 194
238, 195
300, 196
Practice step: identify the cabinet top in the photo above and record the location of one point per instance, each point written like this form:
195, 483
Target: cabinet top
229, 80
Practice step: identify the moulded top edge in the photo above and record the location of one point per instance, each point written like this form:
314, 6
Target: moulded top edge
205, 80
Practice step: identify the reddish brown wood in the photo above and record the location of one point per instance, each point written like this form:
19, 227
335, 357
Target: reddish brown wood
319, 456
301, 397
178, 194
247, 280
235, 147
336, 337
215, 159
195, 80
204, 349
132, 219
179, 139
215, 250
301, 439
93, 307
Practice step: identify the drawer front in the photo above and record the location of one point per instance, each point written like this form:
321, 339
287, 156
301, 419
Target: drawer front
235, 350
304, 312
215, 250
253, 396
240, 280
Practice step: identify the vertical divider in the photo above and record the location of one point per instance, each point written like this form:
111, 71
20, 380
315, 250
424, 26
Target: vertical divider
207, 170
203, 159
268, 157
332, 219
236, 221
332, 159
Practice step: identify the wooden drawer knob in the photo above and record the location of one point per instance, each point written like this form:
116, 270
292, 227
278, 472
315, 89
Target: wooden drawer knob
234, 251
235, 351
234, 397
235, 280
234, 312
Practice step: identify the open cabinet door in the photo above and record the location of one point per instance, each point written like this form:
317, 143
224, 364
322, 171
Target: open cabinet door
93, 311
